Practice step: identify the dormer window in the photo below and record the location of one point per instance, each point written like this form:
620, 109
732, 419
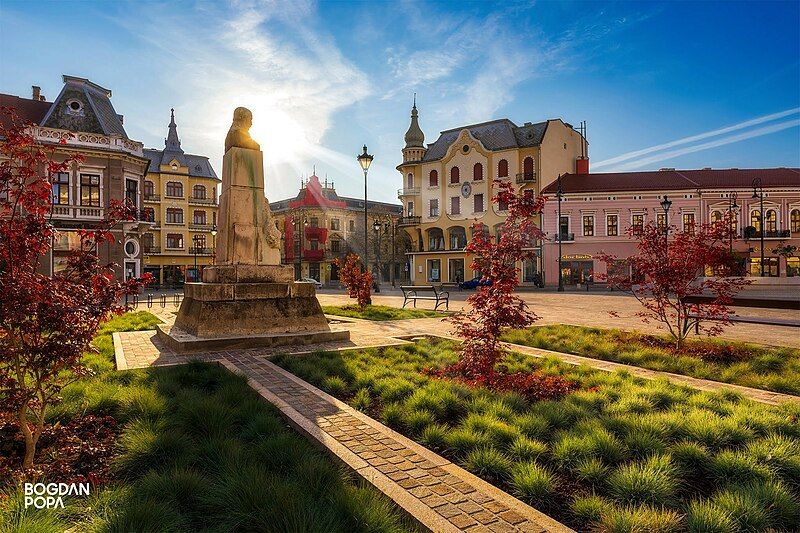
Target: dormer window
174, 167
74, 107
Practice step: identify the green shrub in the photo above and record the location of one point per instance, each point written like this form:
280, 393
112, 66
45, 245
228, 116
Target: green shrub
653, 481
417, 420
361, 400
488, 463
748, 513
736, 467
393, 415
781, 506
641, 519
461, 441
780, 454
435, 436
334, 385
704, 517
533, 483
591, 471
589, 510
524, 449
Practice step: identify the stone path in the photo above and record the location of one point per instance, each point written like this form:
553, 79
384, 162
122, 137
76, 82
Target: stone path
438, 494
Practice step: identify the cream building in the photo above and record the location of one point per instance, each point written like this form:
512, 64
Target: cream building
448, 186
180, 199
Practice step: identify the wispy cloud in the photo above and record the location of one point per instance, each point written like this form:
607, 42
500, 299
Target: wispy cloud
694, 138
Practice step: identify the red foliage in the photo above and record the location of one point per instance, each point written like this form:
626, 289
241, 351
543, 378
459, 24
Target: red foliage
533, 386
46, 323
665, 273
494, 308
358, 283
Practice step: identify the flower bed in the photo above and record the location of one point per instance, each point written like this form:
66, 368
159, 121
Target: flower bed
760, 367
191, 448
619, 454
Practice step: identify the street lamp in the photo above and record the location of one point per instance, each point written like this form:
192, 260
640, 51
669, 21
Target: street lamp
365, 160
731, 213
666, 203
195, 239
758, 193
213, 244
559, 194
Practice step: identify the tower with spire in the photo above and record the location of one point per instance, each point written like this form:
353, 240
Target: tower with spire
415, 139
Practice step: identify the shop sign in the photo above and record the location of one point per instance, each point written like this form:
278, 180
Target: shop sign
576, 257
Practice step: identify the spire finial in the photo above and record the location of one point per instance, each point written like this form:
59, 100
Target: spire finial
173, 142
314, 170
415, 100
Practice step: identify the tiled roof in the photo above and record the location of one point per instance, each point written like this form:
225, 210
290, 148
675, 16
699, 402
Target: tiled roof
494, 135
665, 180
199, 166
96, 116
26, 109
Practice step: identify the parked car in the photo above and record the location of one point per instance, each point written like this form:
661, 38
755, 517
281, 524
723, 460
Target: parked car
474, 283
316, 283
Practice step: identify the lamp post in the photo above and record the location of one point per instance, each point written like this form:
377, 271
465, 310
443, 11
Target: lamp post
666, 203
365, 160
758, 193
213, 244
376, 225
194, 249
731, 213
301, 228
559, 194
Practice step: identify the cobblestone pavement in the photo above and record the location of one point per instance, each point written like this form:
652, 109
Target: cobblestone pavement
440, 495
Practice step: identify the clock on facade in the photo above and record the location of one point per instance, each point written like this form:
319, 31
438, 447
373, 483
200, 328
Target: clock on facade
466, 189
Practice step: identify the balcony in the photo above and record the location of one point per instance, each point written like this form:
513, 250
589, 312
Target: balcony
563, 237
526, 177
201, 226
408, 191
753, 233
77, 211
200, 251
313, 255
152, 250
316, 233
408, 221
202, 201
152, 198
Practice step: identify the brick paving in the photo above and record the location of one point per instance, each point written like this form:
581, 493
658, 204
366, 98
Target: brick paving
438, 494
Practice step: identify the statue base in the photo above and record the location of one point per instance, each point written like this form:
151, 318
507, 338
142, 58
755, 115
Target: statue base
247, 306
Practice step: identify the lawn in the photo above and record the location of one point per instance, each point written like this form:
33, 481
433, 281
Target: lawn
760, 367
380, 312
197, 449
621, 454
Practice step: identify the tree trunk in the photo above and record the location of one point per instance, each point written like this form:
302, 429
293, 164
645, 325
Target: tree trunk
30, 439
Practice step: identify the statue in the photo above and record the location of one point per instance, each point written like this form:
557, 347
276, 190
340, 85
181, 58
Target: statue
239, 134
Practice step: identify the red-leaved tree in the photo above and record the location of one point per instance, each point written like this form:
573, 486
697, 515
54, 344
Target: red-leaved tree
46, 323
493, 307
357, 282
668, 276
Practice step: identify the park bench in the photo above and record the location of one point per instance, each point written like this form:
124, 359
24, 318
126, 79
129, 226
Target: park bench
425, 292
752, 320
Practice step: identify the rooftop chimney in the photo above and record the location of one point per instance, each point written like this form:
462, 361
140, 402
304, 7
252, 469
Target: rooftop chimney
36, 93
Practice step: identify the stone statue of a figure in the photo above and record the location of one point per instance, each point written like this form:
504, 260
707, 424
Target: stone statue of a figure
239, 134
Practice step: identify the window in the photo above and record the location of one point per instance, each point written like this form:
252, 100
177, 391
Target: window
771, 221
527, 169
352, 225
612, 225
433, 179
502, 205
637, 223
174, 189
716, 216
454, 175
60, 188
477, 172
455, 270
502, 169
792, 267
455, 205
335, 246
458, 238
770, 266
335, 224
199, 192
478, 203
90, 190
174, 215
435, 239
174, 240
755, 219
149, 189
563, 228
314, 222
588, 226
410, 180
688, 223
149, 214
132, 192
434, 208
314, 244
434, 270
661, 220
794, 221
199, 217
410, 210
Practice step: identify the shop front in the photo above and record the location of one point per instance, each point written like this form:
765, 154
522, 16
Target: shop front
577, 269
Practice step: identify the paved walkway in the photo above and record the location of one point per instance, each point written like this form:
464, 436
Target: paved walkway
441, 496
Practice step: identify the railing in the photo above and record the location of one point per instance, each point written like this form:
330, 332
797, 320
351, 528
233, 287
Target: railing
408, 221
769, 234
152, 250
176, 196
526, 177
563, 237
201, 227
174, 222
200, 251
313, 255
152, 198
77, 211
174, 248
202, 201
408, 191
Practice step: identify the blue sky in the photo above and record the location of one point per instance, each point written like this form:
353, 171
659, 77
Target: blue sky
676, 84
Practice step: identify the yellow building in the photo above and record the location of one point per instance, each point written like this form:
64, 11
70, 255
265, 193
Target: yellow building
448, 187
180, 198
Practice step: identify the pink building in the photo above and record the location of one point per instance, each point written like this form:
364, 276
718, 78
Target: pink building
598, 209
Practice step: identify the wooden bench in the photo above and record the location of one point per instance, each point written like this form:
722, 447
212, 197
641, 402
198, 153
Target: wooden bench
751, 320
429, 292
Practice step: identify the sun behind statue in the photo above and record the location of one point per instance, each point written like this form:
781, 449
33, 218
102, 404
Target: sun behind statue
239, 134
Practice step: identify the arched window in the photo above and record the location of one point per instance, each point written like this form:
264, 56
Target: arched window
433, 178
410, 180
502, 169
174, 215
199, 217
149, 189
771, 220
527, 169
755, 219
435, 239
477, 172
175, 189
199, 192
454, 175
716, 216
794, 220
